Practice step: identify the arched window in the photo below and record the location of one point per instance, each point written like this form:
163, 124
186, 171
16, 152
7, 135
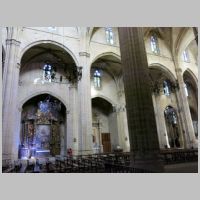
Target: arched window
167, 87
97, 79
48, 73
154, 44
185, 56
109, 36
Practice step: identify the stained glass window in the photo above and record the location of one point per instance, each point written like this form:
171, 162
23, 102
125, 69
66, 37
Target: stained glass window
185, 56
109, 36
48, 73
154, 44
167, 87
97, 79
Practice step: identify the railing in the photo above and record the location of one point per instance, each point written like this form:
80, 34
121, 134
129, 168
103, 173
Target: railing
96, 163
179, 156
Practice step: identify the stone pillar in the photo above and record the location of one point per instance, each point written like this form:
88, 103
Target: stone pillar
9, 111
122, 127
159, 122
184, 110
72, 123
122, 122
84, 91
140, 112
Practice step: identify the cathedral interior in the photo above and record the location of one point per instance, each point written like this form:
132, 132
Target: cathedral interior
99, 99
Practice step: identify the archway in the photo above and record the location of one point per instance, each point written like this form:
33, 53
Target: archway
191, 92
48, 62
104, 125
42, 127
163, 93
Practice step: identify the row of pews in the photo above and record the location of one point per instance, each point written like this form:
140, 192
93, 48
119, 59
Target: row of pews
95, 163
178, 156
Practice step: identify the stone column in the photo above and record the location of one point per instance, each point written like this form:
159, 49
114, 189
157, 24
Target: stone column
140, 112
10, 89
72, 123
122, 122
159, 122
184, 111
121, 127
84, 96
85, 117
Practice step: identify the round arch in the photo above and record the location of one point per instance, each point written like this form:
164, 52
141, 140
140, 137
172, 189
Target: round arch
164, 69
26, 48
22, 102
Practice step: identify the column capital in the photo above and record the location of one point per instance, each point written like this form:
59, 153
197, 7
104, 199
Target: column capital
12, 42
83, 53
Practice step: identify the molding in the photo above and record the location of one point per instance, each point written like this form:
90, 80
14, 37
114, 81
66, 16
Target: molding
84, 54
12, 42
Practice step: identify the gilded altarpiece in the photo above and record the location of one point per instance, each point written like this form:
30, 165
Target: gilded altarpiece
41, 131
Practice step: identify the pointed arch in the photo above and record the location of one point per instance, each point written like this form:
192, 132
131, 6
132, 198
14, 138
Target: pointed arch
164, 69
105, 98
110, 53
191, 73
22, 102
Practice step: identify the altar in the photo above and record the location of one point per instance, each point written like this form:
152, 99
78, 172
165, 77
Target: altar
42, 153
41, 132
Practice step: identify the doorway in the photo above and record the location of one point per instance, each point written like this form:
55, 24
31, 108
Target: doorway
105, 137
